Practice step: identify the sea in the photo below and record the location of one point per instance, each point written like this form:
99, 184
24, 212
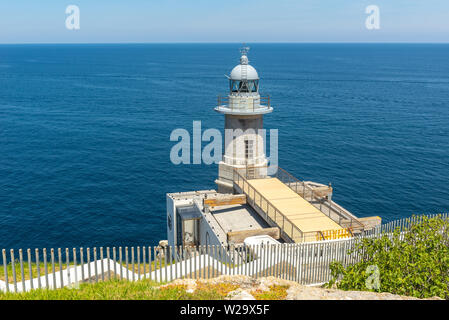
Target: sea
85, 131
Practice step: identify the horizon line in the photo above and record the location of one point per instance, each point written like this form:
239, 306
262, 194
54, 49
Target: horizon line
226, 42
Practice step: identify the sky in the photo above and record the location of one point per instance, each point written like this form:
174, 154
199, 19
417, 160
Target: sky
120, 21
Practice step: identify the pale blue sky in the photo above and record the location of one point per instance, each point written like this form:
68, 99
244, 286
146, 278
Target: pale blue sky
43, 21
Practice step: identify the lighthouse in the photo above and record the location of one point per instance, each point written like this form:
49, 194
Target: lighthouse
243, 108
253, 204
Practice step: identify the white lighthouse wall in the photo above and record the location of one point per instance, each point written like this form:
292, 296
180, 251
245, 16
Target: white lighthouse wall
171, 232
171, 214
244, 128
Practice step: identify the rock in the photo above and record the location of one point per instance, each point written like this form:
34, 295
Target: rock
239, 294
163, 243
189, 283
295, 291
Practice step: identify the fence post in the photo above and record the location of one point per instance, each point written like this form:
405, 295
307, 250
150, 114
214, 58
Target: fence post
95, 264
188, 274
89, 274
127, 263
121, 262
30, 269
170, 259
75, 267
290, 264
313, 269
285, 261
53, 269
297, 261
144, 258
5, 269
309, 262
138, 263
82, 263
165, 264
176, 251
233, 259
149, 263
132, 263
13, 266
22, 273
258, 256
265, 261
160, 265
276, 260
67, 260
273, 260
44, 252
38, 268
204, 255
252, 252
60, 267
239, 260
208, 250
196, 264
108, 257
114, 258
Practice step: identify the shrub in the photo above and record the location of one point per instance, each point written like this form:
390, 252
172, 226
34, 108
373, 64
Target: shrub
276, 292
413, 263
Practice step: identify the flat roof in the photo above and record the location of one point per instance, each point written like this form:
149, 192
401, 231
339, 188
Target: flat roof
238, 217
298, 210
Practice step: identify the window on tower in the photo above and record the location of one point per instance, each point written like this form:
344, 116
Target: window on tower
244, 86
249, 149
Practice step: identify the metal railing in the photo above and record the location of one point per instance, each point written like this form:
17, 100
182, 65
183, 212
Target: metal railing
325, 206
245, 103
275, 218
402, 224
272, 215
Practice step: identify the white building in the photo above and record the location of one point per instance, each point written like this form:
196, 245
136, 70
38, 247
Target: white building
248, 202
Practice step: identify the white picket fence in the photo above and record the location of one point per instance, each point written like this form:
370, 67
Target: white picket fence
306, 263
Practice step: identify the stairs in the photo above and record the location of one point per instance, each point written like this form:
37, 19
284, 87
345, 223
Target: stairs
250, 173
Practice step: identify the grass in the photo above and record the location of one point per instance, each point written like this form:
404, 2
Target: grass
107, 290
126, 290
26, 270
155, 265
276, 292
115, 289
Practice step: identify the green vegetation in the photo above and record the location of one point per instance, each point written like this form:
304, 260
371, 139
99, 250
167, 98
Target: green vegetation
155, 265
276, 292
415, 263
26, 270
107, 290
127, 290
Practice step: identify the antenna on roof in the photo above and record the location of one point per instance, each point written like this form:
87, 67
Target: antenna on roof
244, 50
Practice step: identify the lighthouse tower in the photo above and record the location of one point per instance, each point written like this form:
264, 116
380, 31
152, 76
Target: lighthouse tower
243, 109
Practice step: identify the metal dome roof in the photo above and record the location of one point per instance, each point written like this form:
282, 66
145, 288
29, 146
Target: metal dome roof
244, 71
239, 73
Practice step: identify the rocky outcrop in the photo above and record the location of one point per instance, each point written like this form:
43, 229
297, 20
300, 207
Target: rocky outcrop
247, 286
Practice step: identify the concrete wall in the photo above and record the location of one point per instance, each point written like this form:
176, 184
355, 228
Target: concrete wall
171, 214
234, 148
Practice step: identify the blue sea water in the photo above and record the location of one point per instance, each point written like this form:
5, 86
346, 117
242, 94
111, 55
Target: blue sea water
84, 131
